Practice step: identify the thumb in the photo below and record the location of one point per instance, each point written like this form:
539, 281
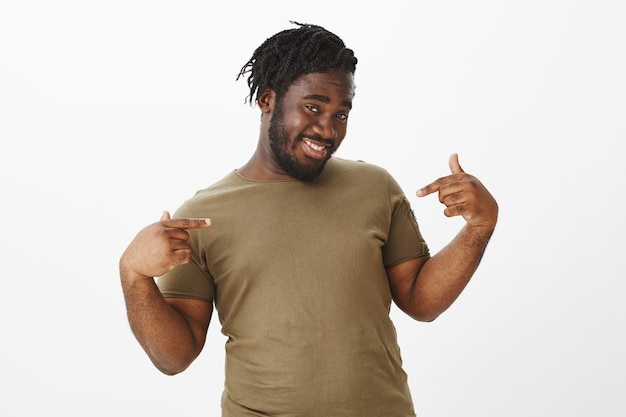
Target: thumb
453, 162
165, 215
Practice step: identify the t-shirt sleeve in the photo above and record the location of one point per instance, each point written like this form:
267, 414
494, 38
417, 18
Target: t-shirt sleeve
404, 241
187, 281
190, 280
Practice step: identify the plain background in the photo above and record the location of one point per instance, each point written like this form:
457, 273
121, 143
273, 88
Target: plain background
111, 112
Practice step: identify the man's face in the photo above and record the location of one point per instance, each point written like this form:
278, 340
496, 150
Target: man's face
310, 122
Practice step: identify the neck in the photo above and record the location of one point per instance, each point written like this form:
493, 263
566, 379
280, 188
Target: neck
262, 167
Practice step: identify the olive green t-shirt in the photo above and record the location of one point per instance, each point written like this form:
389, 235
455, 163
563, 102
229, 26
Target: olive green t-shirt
297, 274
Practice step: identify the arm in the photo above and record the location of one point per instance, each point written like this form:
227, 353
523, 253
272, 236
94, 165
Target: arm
172, 331
425, 287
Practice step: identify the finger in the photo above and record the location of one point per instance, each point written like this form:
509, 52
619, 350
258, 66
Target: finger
453, 162
456, 210
180, 257
165, 215
452, 197
187, 223
179, 244
433, 187
176, 234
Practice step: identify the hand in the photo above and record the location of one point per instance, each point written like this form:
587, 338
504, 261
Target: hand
160, 246
463, 195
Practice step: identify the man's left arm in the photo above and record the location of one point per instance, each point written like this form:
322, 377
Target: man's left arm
425, 287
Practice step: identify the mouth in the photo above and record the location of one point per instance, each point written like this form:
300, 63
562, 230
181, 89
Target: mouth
314, 149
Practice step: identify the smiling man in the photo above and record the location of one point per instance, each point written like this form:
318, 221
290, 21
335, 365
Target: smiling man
303, 128
303, 255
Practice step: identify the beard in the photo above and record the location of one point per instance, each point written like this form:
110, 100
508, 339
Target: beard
283, 150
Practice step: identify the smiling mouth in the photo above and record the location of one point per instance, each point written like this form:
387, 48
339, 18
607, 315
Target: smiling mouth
315, 150
316, 146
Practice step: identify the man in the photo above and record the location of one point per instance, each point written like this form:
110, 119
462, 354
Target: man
303, 254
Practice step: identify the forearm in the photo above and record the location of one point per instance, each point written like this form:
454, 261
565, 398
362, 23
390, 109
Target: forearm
163, 332
443, 277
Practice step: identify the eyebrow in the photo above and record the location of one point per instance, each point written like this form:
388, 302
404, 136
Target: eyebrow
326, 100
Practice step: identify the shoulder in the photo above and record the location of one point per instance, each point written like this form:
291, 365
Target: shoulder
362, 169
358, 173
228, 182
203, 199
365, 177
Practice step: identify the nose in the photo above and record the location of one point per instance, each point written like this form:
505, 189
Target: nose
325, 127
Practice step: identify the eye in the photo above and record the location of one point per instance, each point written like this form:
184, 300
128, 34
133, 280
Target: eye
343, 117
312, 108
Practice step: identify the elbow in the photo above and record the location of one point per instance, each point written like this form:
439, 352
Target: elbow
424, 317
418, 312
424, 312
170, 369
169, 372
172, 366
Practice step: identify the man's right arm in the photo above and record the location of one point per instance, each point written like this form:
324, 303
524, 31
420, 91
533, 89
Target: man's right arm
172, 331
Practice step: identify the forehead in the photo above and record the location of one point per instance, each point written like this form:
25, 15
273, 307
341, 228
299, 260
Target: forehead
334, 86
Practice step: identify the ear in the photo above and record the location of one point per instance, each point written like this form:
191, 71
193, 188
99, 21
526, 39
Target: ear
266, 101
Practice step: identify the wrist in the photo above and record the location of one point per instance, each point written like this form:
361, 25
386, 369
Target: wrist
129, 274
483, 231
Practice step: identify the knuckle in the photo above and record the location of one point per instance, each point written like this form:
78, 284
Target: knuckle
184, 256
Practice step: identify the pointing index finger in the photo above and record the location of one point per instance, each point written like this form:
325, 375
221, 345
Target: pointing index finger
187, 223
433, 187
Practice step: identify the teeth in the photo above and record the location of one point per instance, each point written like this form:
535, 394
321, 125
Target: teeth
314, 146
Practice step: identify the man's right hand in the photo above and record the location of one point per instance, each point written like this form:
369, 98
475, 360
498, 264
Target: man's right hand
160, 247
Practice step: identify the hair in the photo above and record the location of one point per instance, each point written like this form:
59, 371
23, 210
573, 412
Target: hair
291, 53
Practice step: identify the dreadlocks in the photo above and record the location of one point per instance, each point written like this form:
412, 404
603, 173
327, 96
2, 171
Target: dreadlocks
287, 55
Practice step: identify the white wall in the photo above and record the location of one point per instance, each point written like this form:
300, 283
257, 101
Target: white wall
111, 112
